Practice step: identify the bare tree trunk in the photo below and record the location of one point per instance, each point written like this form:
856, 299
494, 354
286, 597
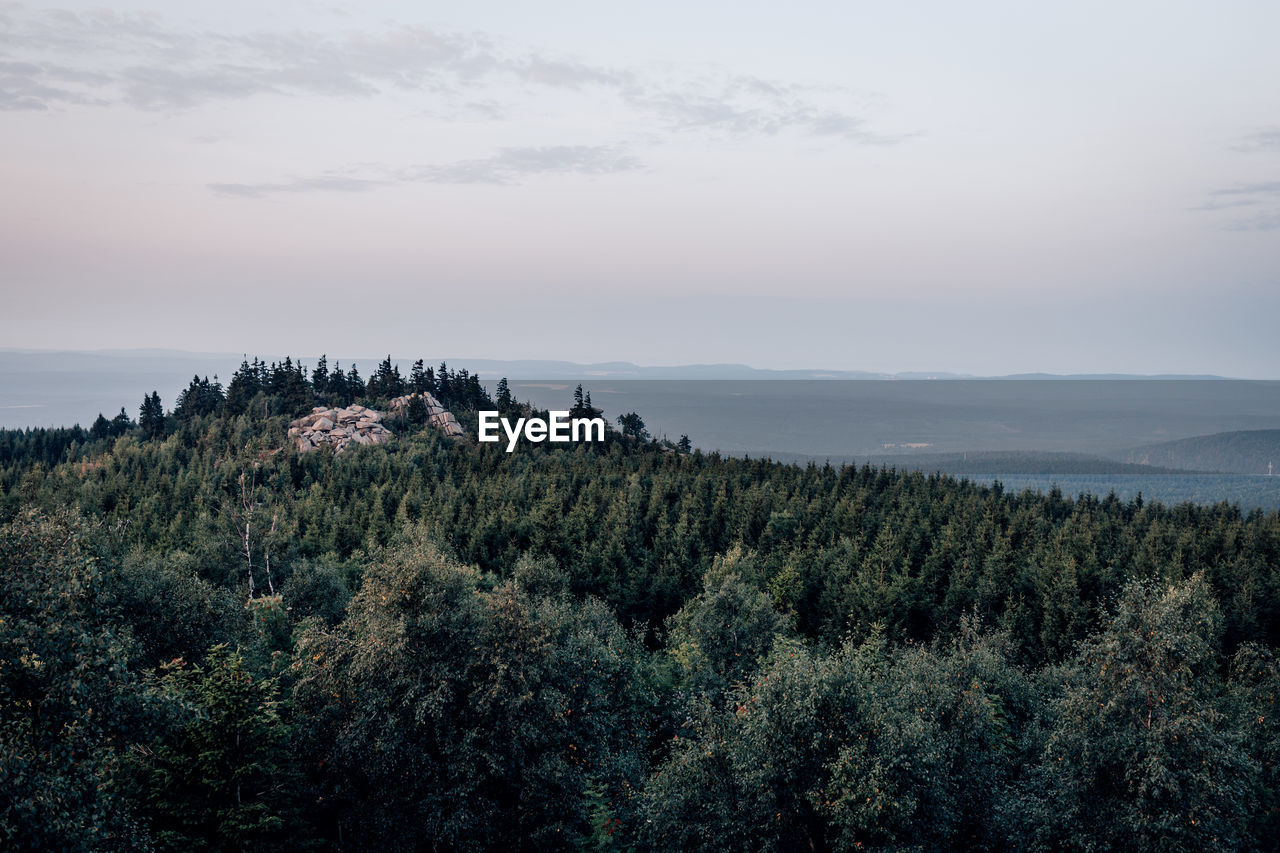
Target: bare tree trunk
266, 551
246, 505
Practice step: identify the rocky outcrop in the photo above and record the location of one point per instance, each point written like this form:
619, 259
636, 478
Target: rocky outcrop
338, 427
437, 415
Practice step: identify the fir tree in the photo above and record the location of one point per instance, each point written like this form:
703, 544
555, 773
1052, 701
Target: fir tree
503, 398
151, 415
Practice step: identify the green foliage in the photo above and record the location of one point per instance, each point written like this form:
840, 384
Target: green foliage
720, 636
69, 703
171, 611
221, 779
200, 399
502, 397
864, 748
610, 646
478, 719
1140, 754
151, 416
1254, 708
316, 589
633, 426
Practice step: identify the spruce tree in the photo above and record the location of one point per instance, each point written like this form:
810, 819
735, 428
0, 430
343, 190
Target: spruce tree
503, 398
151, 415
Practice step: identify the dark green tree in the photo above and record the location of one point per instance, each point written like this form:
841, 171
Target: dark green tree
120, 424
245, 385
320, 377
221, 779
633, 426
1140, 755
151, 415
505, 402
70, 705
480, 720
200, 399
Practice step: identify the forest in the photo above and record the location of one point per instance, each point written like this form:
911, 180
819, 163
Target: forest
209, 641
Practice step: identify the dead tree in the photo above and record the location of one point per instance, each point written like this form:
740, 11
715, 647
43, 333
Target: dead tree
248, 511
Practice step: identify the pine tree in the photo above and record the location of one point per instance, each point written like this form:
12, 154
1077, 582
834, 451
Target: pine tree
418, 379
320, 377
120, 424
503, 399
151, 415
201, 398
246, 383
336, 387
355, 386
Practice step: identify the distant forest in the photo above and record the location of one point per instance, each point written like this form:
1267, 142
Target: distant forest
1254, 452
209, 641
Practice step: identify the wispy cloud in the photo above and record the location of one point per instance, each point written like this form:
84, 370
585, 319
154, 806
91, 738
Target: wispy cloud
507, 166
1265, 139
35, 86
66, 59
1258, 194
322, 183
1268, 221
744, 105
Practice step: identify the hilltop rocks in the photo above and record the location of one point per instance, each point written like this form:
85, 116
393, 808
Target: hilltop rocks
356, 424
338, 428
437, 415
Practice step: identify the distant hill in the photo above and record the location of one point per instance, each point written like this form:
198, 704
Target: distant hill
1015, 462
983, 464
1241, 452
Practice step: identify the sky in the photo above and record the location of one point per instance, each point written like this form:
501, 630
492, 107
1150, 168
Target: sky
987, 187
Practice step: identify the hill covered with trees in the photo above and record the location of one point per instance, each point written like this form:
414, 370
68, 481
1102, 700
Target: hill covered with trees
1255, 451
211, 641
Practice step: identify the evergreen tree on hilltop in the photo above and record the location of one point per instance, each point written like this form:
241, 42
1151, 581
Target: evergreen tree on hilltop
444, 386
320, 378
101, 427
503, 399
201, 398
582, 407
386, 383
246, 383
151, 415
421, 380
335, 391
288, 384
468, 393
120, 424
355, 386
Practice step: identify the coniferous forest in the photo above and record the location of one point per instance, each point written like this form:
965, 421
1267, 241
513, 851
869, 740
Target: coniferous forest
209, 641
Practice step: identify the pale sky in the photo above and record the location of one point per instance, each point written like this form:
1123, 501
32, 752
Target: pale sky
973, 187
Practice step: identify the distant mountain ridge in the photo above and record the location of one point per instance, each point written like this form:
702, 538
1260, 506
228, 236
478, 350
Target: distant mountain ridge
559, 369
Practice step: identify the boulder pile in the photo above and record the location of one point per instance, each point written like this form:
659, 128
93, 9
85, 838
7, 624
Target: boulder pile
338, 428
437, 415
